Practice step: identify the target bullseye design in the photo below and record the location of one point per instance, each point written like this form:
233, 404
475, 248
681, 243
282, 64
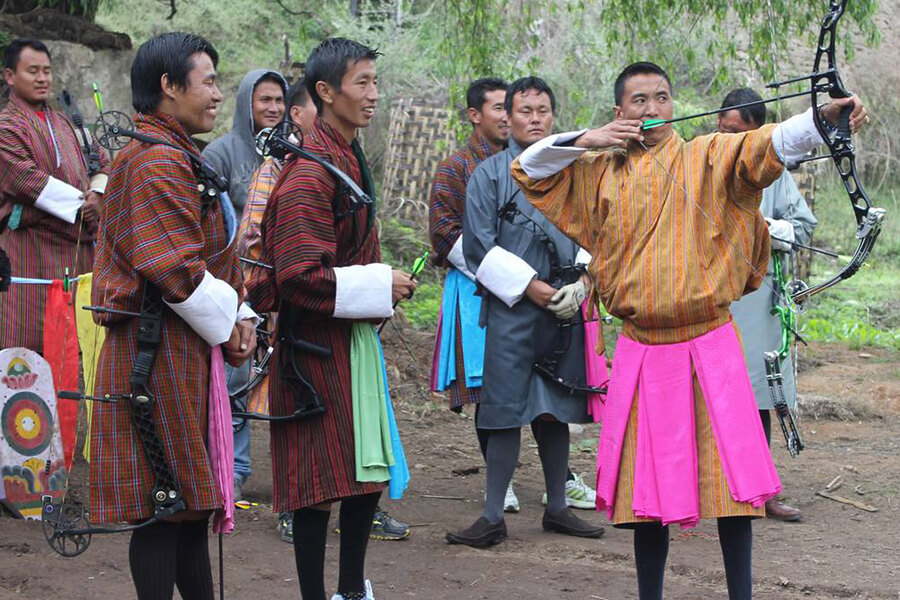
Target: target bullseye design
27, 423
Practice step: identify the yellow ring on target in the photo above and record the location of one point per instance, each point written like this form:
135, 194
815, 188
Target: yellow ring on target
28, 424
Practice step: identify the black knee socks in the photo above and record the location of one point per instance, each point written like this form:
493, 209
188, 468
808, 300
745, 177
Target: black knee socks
482, 434
502, 456
165, 554
310, 531
553, 447
356, 524
736, 540
766, 417
651, 547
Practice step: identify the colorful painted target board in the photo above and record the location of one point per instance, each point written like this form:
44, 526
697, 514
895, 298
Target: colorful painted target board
31, 457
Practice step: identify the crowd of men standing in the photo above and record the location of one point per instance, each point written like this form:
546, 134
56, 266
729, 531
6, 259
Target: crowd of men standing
535, 231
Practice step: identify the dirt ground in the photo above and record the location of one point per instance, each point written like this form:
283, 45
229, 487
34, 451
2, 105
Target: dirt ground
851, 420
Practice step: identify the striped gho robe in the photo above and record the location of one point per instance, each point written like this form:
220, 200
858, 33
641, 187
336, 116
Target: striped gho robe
446, 206
152, 230
305, 239
37, 155
668, 265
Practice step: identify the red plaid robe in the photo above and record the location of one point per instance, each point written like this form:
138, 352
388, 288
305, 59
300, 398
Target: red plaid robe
152, 229
313, 459
42, 246
445, 213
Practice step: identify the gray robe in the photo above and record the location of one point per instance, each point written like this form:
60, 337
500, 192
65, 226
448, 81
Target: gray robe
760, 330
513, 394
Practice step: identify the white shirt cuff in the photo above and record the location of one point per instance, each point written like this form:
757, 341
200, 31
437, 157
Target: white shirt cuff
505, 275
245, 312
583, 257
60, 199
98, 183
210, 310
363, 292
544, 158
457, 259
795, 137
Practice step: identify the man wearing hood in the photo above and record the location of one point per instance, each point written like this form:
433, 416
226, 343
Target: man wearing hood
260, 103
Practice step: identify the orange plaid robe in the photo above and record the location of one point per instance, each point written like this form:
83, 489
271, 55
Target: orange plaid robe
668, 263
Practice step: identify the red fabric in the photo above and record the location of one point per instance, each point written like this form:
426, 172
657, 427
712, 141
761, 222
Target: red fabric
61, 352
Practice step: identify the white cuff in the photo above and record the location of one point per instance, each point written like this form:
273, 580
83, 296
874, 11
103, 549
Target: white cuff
210, 310
245, 312
363, 292
457, 259
795, 137
505, 275
583, 257
60, 199
98, 183
544, 158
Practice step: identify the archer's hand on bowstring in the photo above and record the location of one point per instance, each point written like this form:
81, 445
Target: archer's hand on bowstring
616, 134
242, 343
859, 117
403, 285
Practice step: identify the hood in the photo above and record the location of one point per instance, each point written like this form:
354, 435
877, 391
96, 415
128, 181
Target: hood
242, 125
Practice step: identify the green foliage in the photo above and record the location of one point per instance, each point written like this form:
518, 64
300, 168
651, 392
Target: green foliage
86, 9
423, 308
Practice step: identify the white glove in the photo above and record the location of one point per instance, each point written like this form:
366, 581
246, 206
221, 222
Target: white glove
568, 300
782, 234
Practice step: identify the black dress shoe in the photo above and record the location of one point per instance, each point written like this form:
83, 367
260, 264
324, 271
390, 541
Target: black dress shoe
480, 535
567, 523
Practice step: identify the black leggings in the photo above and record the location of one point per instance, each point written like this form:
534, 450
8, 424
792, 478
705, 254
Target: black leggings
310, 533
651, 548
167, 554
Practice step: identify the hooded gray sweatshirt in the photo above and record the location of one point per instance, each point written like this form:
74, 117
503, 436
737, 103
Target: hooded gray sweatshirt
234, 155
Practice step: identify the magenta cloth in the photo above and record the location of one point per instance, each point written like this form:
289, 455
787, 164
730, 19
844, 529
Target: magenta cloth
221, 441
436, 353
594, 366
665, 478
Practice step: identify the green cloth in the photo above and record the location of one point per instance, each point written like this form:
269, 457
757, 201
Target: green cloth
371, 427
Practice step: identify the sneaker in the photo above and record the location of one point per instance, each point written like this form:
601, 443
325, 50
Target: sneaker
578, 494
510, 502
369, 595
386, 527
480, 535
285, 527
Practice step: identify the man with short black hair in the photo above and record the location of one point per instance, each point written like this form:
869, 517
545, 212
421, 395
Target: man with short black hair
164, 248
328, 285
789, 220
234, 156
532, 289
676, 236
49, 204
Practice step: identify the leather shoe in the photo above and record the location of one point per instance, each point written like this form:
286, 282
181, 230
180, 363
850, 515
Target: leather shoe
778, 510
480, 535
567, 523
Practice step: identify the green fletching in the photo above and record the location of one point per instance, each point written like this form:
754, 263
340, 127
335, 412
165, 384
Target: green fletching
651, 123
419, 264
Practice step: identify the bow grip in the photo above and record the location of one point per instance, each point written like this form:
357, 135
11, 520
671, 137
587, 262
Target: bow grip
843, 125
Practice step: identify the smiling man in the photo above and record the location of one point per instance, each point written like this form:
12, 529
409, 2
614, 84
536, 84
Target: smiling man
331, 286
260, 103
49, 207
160, 241
676, 235
531, 290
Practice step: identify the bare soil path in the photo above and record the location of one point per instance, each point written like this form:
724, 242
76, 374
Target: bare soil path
837, 551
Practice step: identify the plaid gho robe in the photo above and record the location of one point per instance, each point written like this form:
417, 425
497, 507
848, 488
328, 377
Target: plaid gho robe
313, 458
152, 230
41, 245
446, 206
